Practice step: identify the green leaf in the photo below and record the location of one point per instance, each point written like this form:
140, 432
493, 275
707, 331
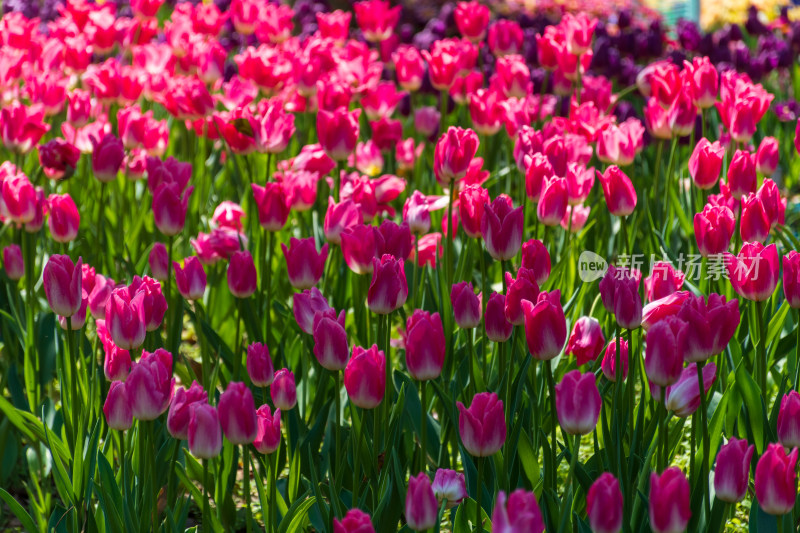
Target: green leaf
62, 479
756, 411
296, 518
527, 456
465, 514
21, 514
33, 429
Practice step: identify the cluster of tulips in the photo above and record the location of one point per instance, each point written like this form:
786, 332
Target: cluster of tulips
430, 351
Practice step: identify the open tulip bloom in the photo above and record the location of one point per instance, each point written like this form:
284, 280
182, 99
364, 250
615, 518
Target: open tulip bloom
274, 266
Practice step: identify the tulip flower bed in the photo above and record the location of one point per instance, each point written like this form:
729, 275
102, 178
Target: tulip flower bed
320, 274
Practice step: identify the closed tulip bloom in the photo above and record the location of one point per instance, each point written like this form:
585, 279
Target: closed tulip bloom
705, 163
498, 328
125, 318
79, 318
338, 132
272, 204
683, 396
205, 435
754, 225
13, 263
117, 362
615, 147
159, 262
238, 413
449, 486
732, 473
341, 217
268, 430
416, 213
663, 281
553, 201
770, 198
421, 507
395, 240
330, 340
663, 308
107, 158
682, 114
365, 377
154, 302
713, 324
377, 19
355, 521
742, 178
242, 274
178, 416
466, 305
579, 183
776, 480
283, 390
578, 402
789, 420
604, 505
58, 158
17, 195
62, 284
703, 80
360, 247
259, 365
545, 325
666, 346
619, 292
169, 208
117, 407
151, 385
191, 279
472, 20
618, 190
539, 171
791, 278
471, 209
713, 229
754, 272
483, 426
505, 37
425, 345
306, 305
586, 340
409, 69
453, 154
767, 156
535, 257
388, 289
304, 264
502, 228
669, 501
520, 512
64, 219
609, 364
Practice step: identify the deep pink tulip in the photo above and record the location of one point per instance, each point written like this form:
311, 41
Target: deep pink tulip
663, 280
705, 163
304, 264
355, 521
666, 346
579, 183
683, 396
360, 247
703, 80
754, 225
62, 284
64, 219
789, 420
191, 279
58, 158
483, 426
107, 158
767, 156
754, 272
365, 377
505, 37
79, 318
619, 291
732, 472
770, 198
125, 318
539, 171
388, 289
421, 507
425, 345
117, 362
417, 213
536, 257
791, 278
450, 487
615, 147
178, 415
609, 364
272, 204
776, 480
306, 305
713, 229
604, 505
340, 218
519, 290
498, 328
117, 407
259, 365
18, 197
553, 201
376, 18
338, 132
472, 20
268, 430
228, 215
330, 340
663, 308
159, 261
238, 413
13, 263
669, 501
519, 513
283, 390
444, 63
471, 209
545, 325
334, 25
453, 154
586, 340
713, 324
502, 227
410, 70
204, 432
151, 385
466, 305
618, 190
578, 402
169, 208
742, 178
578, 30
395, 240
242, 277
154, 303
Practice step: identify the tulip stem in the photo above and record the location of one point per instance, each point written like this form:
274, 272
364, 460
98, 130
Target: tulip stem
417, 268
170, 310
761, 350
423, 452
659, 153
562, 522
266, 286
246, 495
706, 445
484, 298
237, 353
176, 447
797, 354
443, 106
356, 440
32, 361
387, 321
663, 437
478, 491
548, 371
74, 404
668, 185
273, 468
335, 478
472, 385
206, 506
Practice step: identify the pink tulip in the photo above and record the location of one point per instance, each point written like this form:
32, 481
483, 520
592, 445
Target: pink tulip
238, 413
498, 328
483, 426
789, 421
539, 172
669, 501
703, 80
169, 208
283, 390
272, 204
410, 69
154, 303
553, 201
376, 18
519, 513
58, 158
338, 132
204, 433
754, 272
62, 284
776, 480
355, 521
663, 280
604, 505
191, 279
666, 346
365, 377
449, 486
713, 324
360, 247
334, 25
618, 190
732, 473
306, 305
395, 240
683, 396
754, 225
64, 218
242, 275
713, 229
505, 37
178, 416
117, 362
578, 402
535, 257
545, 325
586, 340
791, 278
609, 364
388, 289
13, 262
125, 318
472, 20
259, 365
501, 228
117, 407
615, 147
304, 264
159, 261
619, 291
453, 154
425, 345
767, 156
330, 340
421, 507
18, 197
471, 209
466, 305
268, 430
151, 385
742, 178
663, 308
107, 158
705, 163
340, 218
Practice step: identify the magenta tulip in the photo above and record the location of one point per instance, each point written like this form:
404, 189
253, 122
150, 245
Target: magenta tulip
483, 426
421, 507
545, 325
365, 377
13, 262
498, 328
450, 487
732, 473
604, 505
425, 345
666, 347
355, 521
238, 413
754, 272
502, 228
204, 433
117, 407
466, 305
191, 279
776, 480
330, 340
268, 430
388, 290
304, 264
178, 416
669, 501
283, 390
62, 284
242, 275
578, 402
520, 512
151, 385
586, 340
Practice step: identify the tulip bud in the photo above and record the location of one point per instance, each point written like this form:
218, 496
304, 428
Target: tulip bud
365, 377
159, 262
586, 340
619, 291
117, 363
578, 402
789, 420
776, 480
150, 384
425, 345
304, 264
238, 413
62, 284
107, 158
754, 272
666, 346
662, 281
449, 486
191, 279
338, 132
705, 163
502, 227
742, 178
306, 305
519, 513
609, 364
553, 201
117, 407
767, 156
483, 426
669, 501
242, 274
466, 305
125, 318
58, 158
13, 262
340, 218
472, 20
453, 154
472, 200
545, 325
283, 390
604, 505
169, 208
178, 416
204, 433
330, 340
259, 365
388, 289
272, 204
791, 278
268, 430
754, 224
713, 324
359, 247
376, 18
618, 190
154, 303
355, 521
498, 328
713, 229
64, 218
683, 396
421, 506
732, 473
535, 257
